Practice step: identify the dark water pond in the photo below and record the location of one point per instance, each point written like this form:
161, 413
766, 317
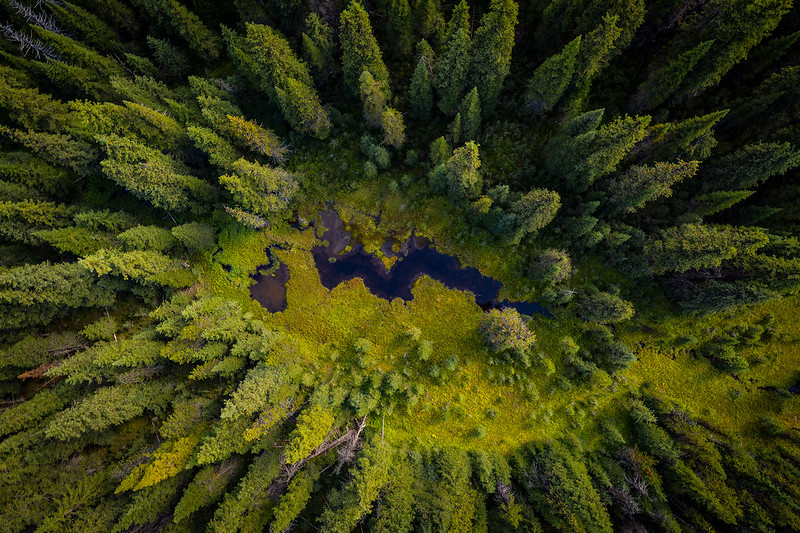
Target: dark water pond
270, 289
416, 258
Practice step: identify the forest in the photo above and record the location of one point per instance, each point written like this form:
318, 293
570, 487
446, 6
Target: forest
399, 266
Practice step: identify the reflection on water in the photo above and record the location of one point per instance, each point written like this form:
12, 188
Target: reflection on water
270, 289
415, 258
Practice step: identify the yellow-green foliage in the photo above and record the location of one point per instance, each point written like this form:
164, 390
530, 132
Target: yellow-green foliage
313, 425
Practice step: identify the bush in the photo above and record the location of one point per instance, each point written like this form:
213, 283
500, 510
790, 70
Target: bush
506, 331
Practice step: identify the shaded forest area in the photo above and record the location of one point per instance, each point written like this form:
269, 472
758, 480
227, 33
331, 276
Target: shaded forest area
631, 165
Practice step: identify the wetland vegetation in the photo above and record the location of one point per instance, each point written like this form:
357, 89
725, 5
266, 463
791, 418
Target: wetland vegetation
399, 265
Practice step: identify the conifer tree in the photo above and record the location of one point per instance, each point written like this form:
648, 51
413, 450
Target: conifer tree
750, 166
421, 91
450, 71
259, 189
398, 28
257, 138
583, 158
491, 51
302, 108
692, 138
462, 175
641, 184
663, 82
151, 175
373, 98
739, 25
714, 202
185, 23
394, 129
470, 111
551, 79
427, 19
318, 47
596, 49
267, 58
536, 209
440, 151
693, 246
359, 48
173, 61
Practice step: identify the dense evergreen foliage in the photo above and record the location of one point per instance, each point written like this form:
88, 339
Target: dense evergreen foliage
632, 166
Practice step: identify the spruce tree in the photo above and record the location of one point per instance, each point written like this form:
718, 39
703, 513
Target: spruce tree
359, 48
536, 209
302, 109
463, 178
641, 184
694, 246
421, 91
152, 176
373, 98
470, 111
265, 55
692, 138
318, 46
664, 81
551, 79
394, 129
450, 71
750, 166
714, 202
596, 49
427, 19
491, 51
398, 28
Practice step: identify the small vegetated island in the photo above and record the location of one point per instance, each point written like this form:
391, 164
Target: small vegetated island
399, 265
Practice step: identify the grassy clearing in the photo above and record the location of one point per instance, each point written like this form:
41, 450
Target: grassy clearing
465, 407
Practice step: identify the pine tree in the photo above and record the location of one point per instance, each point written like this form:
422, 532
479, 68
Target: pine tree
664, 81
491, 51
450, 71
470, 111
641, 184
421, 91
398, 28
359, 48
551, 79
302, 109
